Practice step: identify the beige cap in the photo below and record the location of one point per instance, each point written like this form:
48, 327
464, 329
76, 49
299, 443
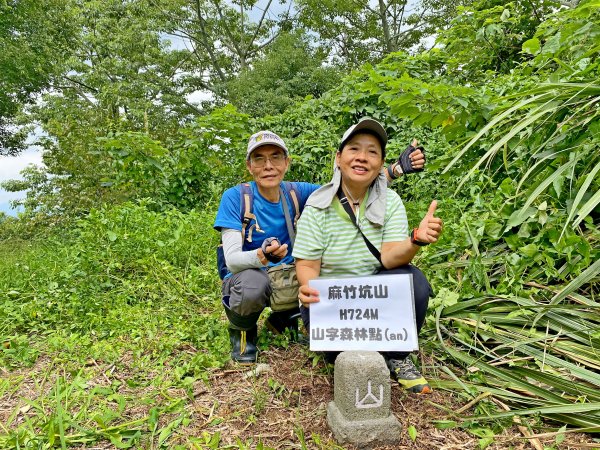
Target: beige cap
265, 138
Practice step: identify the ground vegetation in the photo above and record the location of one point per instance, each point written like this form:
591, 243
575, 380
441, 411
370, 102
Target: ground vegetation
111, 327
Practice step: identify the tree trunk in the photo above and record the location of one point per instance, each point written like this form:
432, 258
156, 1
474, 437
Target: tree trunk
388, 44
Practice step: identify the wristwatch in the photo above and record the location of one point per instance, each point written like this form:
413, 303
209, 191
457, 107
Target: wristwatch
394, 170
414, 238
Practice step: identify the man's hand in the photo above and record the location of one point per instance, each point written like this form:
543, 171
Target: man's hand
272, 250
430, 227
308, 295
412, 159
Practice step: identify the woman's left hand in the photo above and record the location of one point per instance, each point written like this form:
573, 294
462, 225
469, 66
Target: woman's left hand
430, 227
417, 160
412, 159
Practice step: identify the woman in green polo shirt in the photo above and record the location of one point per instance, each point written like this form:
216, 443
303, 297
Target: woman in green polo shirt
366, 236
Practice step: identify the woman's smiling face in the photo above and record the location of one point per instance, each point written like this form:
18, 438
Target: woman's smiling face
360, 160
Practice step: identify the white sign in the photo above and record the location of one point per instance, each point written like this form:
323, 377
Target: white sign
374, 313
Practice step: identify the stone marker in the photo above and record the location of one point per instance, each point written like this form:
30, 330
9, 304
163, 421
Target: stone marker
360, 411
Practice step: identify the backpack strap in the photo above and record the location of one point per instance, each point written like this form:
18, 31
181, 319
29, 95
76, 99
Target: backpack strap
288, 220
292, 190
246, 204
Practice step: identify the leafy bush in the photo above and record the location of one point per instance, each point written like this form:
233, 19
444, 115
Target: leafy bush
513, 161
124, 272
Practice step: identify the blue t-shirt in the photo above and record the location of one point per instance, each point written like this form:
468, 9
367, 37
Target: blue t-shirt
269, 216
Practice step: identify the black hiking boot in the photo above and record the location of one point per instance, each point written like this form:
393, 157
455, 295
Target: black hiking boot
278, 321
243, 345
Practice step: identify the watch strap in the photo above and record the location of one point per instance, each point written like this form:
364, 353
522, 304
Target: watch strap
414, 238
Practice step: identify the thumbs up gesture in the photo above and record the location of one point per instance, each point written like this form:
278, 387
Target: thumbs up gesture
430, 227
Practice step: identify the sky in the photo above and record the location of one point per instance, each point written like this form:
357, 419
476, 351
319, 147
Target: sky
10, 168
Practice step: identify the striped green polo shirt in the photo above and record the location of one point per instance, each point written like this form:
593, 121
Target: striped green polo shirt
328, 234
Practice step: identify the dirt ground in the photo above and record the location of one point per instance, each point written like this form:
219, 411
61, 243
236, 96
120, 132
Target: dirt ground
283, 407
295, 396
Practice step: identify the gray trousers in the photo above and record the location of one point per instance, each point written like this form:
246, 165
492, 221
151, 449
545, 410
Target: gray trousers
245, 295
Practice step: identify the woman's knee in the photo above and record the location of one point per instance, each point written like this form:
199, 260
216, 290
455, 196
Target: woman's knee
421, 289
421, 286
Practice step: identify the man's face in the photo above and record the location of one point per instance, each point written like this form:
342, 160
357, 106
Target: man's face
360, 160
268, 165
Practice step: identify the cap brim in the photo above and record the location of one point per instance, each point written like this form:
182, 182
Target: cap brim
368, 125
262, 144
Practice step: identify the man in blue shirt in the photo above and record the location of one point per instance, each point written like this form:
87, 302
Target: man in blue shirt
259, 253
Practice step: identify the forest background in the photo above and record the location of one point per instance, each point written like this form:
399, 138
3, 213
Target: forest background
113, 252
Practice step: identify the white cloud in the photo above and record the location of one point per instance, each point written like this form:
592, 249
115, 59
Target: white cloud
10, 168
199, 96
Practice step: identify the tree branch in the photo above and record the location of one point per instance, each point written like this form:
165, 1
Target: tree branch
198, 110
78, 91
535, 12
264, 44
258, 27
235, 49
206, 45
385, 26
415, 27
80, 83
398, 21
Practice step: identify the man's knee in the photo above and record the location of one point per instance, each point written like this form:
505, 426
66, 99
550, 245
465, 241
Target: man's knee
247, 292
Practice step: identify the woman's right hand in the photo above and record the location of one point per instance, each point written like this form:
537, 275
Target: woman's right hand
308, 295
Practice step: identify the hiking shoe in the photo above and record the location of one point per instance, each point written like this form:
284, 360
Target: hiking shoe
277, 322
408, 376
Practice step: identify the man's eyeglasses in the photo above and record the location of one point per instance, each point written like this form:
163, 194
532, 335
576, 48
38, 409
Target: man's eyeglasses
259, 161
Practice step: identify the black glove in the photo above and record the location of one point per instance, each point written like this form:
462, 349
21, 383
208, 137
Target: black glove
405, 162
270, 256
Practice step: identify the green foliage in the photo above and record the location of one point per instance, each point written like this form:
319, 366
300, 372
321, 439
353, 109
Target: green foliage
497, 337
135, 161
224, 38
567, 43
210, 158
192, 170
359, 31
35, 39
511, 136
288, 72
113, 261
412, 433
498, 30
